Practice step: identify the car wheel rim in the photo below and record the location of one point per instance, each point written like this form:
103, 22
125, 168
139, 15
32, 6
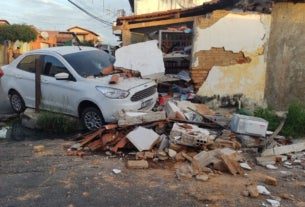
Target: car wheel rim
16, 102
92, 120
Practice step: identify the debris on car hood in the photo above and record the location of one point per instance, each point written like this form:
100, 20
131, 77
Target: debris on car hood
135, 57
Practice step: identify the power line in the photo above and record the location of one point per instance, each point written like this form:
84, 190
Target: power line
107, 23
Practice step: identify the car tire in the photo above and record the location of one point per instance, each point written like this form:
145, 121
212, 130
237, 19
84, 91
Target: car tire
92, 118
17, 102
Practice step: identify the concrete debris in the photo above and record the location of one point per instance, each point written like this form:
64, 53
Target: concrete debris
274, 203
249, 125
173, 111
232, 165
162, 155
142, 138
271, 167
248, 141
172, 153
206, 158
202, 177
164, 142
284, 149
137, 164
198, 140
184, 171
270, 180
245, 166
190, 135
270, 160
3, 132
263, 190
116, 171
199, 108
38, 148
130, 118
134, 57
253, 191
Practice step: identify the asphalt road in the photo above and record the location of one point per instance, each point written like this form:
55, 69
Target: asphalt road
51, 178
5, 107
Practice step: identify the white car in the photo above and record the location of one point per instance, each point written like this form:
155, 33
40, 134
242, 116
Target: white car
71, 83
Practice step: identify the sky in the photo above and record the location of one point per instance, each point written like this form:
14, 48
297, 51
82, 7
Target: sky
61, 15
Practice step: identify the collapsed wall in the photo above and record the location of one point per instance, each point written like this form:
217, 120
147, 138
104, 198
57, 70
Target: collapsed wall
229, 54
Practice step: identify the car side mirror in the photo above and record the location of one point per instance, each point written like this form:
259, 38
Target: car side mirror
62, 76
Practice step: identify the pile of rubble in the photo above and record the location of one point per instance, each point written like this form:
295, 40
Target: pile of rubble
199, 141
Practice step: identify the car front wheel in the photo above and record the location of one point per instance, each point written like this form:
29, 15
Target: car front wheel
92, 118
17, 102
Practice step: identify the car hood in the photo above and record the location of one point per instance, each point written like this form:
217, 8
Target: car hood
123, 83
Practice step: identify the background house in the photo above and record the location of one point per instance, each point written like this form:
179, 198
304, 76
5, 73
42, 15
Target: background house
3, 21
85, 34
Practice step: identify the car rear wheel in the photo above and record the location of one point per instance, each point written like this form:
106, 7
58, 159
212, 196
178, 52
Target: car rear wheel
92, 118
17, 102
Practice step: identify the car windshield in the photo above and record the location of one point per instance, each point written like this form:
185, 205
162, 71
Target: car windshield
89, 63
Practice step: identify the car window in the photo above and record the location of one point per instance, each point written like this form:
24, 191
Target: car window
89, 63
28, 63
52, 66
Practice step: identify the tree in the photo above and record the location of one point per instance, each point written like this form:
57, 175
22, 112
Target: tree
21, 32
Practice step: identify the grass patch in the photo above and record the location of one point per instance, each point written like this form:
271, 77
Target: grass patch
295, 121
57, 123
270, 116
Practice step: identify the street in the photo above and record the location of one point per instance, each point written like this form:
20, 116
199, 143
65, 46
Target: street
51, 178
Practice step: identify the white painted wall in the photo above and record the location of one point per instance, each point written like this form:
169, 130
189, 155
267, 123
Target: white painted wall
149, 6
246, 32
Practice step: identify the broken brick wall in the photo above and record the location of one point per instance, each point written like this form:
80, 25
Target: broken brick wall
286, 56
229, 54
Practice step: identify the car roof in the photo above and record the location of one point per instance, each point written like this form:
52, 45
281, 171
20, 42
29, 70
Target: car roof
64, 50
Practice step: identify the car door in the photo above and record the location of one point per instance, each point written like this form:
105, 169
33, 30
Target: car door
57, 95
25, 78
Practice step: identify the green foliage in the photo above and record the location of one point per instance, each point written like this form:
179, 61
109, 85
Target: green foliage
244, 111
270, 116
295, 122
21, 32
57, 123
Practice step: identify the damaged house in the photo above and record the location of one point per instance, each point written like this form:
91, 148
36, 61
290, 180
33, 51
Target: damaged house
229, 47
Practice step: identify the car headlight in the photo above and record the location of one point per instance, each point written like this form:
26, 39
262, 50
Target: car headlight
112, 92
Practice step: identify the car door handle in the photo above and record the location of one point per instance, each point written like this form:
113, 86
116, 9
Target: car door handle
18, 76
45, 81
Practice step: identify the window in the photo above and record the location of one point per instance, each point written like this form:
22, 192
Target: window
89, 63
28, 63
52, 66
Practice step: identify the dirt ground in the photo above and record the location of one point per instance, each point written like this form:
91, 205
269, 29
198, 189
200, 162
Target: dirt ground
50, 178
